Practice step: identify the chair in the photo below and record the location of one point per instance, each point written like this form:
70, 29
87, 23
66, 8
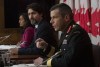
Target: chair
96, 54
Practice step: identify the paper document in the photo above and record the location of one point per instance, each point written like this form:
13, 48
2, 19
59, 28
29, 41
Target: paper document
7, 47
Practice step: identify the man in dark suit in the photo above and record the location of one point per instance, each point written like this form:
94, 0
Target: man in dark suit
75, 48
43, 29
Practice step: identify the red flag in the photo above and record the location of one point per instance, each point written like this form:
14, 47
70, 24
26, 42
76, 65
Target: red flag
84, 15
95, 21
77, 12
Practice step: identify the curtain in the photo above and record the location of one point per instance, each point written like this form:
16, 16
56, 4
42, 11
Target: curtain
87, 15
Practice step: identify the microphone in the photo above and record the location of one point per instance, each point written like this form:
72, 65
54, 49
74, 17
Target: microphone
5, 37
53, 56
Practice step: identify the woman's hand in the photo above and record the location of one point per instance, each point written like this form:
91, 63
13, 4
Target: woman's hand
13, 51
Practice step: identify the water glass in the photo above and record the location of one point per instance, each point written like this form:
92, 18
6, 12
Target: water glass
6, 59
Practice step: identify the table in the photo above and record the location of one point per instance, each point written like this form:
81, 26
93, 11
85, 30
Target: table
23, 58
17, 58
28, 65
5, 48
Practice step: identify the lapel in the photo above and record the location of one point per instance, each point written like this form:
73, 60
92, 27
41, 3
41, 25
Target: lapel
66, 32
61, 39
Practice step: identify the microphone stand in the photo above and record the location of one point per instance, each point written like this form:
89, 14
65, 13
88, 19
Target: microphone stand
6, 55
5, 37
55, 55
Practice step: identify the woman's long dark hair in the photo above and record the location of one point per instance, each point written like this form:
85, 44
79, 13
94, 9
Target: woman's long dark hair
27, 21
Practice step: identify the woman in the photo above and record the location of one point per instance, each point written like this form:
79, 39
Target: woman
28, 31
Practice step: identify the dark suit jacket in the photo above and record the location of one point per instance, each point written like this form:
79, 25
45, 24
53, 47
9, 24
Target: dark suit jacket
76, 49
44, 31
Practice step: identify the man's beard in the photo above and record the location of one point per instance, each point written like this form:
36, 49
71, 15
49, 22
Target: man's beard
33, 22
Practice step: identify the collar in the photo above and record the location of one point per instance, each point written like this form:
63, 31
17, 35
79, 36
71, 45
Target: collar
69, 26
36, 26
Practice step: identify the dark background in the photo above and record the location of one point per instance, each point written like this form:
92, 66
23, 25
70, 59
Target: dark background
12, 9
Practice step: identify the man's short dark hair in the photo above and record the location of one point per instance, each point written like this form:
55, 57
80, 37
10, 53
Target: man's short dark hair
36, 7
64, 9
